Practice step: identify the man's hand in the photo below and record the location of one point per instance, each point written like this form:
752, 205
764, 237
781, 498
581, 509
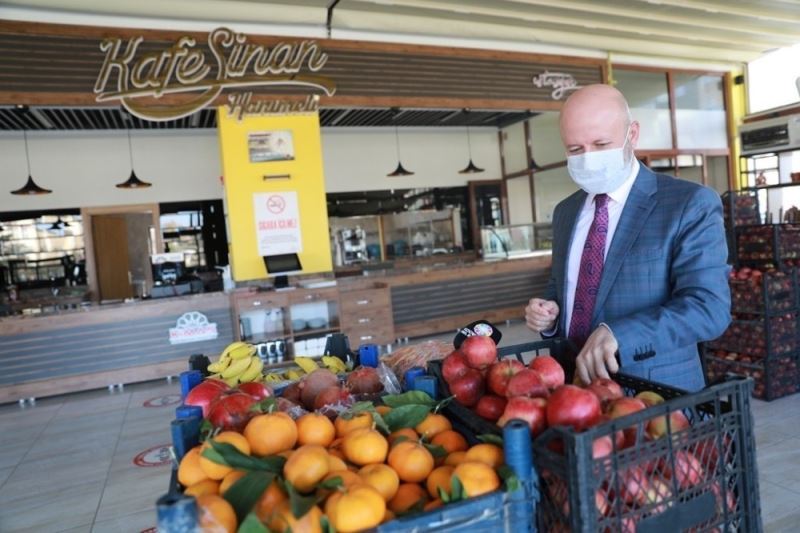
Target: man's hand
597, 358
540, 315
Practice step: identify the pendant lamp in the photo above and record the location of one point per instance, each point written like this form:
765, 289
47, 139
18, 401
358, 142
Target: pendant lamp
470, 168
133, 182
400, 170
30, 187
59, 224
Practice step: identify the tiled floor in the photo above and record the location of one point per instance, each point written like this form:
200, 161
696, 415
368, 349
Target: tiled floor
66, 464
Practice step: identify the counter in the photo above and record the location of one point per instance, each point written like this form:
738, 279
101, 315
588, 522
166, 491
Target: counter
99, 345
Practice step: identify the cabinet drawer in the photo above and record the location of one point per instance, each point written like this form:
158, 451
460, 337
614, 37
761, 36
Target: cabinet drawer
259, 301
369, 335
367, 318
307, 296
356, 301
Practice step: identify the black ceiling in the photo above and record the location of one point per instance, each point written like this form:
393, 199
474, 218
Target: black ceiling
109, 118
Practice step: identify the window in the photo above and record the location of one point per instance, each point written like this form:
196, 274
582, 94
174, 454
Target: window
773, 80
648, 98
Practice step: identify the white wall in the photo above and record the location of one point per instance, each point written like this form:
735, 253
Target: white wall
519, 201
82, 167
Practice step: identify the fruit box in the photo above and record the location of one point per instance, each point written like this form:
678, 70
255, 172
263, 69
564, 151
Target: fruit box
633, 489
741, 208
774, 377
768, 293
759, 335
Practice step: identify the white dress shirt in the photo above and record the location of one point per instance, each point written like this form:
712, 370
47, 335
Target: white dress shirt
616, 202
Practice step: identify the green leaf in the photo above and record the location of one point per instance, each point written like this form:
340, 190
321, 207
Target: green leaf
456, 490
509, 477
227, 454
301, 504
400, 438
443, 495
413, 397
331, 483
490, 438
244, 494
356, 409
443, 403
327, 527
406, 416
267, 405
436, 450
206, 430
252, 524
418, 507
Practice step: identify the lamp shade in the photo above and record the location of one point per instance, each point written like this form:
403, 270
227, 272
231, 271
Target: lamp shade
470, 168
133, 182
30, 188
400, 171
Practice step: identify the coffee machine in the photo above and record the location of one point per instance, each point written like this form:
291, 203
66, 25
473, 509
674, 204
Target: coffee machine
353, 245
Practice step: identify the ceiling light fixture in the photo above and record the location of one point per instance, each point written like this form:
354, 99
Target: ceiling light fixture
400, 170
470, 168
133, 182
30, 188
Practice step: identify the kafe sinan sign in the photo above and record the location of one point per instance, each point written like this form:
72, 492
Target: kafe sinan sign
139, 79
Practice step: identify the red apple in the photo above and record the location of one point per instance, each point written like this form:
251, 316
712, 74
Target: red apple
259, 391
480, 351
500, 373
530, 410
491, 407
231, 410
602, 393
454, 366
614, 389
688, 470
551, 371
204, 394
650, 398
657, 427
572, 406
468, 388
623, 407
619, 435
528, 383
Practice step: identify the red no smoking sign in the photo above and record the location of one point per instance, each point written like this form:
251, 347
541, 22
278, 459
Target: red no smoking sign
276, 204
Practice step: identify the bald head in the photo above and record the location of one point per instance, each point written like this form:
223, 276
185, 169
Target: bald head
596, 117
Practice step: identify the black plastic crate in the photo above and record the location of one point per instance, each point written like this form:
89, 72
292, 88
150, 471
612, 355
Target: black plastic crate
740, 208
773, 377
763, 336
777, 245
578, 493
772, 292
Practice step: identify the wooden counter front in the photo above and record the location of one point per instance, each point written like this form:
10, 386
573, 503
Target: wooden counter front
102, 345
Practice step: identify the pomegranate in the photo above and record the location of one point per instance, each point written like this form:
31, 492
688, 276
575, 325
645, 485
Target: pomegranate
204, 394
231, 410
479, 351
292, 392
364, 380
314, 383
572, 406
528, 383
530, 410
332, 396
552, 373
259, 391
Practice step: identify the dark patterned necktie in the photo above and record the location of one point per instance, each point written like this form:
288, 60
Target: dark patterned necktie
590, 273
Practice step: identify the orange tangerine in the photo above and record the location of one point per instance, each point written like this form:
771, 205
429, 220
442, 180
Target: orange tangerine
348, 480
440, 477
408, 495
365, 446
477, 478
314, 428
231, 478
450, 440
433, 424
306, 467
215, 514
388, 517
270, 434
282, 519
383, 410
454, 458
408, 433
216, 470
411, 460
361, 420
433, 504
490, 454
335, 463
382, 478
269, 501
201, 488
356, 508
189, 471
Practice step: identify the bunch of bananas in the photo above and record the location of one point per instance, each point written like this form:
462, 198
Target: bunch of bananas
306, 365
238, 363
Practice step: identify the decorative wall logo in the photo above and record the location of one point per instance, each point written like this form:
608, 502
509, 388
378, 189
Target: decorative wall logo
192, 327
559, 81
142, 79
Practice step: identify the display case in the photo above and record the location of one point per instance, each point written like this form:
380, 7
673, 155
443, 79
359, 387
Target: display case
422, 233
516, 240
356, 240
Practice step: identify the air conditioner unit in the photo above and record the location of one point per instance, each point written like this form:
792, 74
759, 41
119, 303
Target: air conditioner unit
779, 134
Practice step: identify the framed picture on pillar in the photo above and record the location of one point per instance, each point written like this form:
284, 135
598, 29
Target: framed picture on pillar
265, 146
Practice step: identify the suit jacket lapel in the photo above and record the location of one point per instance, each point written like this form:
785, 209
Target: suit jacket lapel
638, 206
571, 211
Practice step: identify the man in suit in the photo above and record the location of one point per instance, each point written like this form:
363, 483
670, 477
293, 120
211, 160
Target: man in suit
639, 273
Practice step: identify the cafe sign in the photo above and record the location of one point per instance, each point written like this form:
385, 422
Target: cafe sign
559, 81
138, 79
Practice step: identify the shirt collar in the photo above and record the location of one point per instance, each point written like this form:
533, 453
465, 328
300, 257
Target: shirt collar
620, 194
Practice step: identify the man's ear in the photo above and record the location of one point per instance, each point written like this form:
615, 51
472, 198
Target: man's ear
634, 135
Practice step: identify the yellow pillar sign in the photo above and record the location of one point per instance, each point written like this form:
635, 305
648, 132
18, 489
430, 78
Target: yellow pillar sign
275, 191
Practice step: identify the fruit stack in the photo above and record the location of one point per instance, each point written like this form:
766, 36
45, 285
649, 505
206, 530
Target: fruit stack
238, 363
637, 458
763, 339
741, 208
364, 468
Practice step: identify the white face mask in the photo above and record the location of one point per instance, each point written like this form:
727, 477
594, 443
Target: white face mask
601, 171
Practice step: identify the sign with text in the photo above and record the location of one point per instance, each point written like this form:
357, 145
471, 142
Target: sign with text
192, 327
277, 223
